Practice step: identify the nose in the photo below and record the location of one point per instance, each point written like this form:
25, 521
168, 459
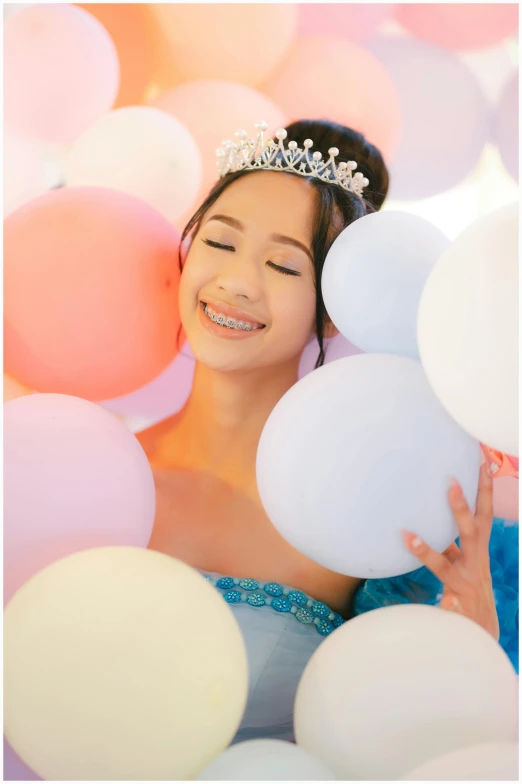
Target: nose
239, 277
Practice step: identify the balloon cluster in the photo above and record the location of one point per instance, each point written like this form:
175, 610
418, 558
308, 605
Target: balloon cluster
112, 114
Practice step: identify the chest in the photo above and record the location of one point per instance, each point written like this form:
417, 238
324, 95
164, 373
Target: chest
210, 525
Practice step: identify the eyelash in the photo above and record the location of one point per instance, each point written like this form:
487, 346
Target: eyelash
282, 270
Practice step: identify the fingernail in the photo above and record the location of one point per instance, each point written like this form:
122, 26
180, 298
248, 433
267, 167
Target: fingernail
416, 542
493, 468
455, 487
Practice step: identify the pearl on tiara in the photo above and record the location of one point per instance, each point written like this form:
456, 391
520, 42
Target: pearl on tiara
246, 153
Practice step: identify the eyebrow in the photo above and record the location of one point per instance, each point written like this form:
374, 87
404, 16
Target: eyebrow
281, 238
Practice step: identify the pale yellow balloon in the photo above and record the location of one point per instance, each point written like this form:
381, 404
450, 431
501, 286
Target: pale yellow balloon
142, 151
14, 389
121, 663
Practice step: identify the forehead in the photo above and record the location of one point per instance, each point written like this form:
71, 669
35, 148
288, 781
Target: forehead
271, 202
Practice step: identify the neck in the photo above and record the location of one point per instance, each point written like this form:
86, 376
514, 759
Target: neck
218, 429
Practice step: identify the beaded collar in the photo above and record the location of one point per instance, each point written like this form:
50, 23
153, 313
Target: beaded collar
278, 598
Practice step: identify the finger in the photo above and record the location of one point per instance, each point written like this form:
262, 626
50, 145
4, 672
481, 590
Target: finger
436, 562
468, 530
452, 552
450, 602
484, 507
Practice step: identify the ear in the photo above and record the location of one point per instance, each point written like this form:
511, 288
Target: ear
330, 330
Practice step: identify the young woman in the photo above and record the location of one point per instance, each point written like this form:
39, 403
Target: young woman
250, 301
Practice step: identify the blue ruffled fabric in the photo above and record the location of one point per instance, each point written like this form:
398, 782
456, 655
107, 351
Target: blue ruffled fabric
422, 587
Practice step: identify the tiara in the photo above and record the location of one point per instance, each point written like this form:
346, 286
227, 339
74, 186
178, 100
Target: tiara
249, 154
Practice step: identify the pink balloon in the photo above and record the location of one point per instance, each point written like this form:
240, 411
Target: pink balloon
164, 396
459, 26
74, 477
15, 769
506, 126
213, 110
355, 22
336, 348
323, 77
445, 117
61, 71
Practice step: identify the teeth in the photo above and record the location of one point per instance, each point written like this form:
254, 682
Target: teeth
228, 321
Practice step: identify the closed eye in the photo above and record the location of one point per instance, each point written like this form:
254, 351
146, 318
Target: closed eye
277, 267
219, 245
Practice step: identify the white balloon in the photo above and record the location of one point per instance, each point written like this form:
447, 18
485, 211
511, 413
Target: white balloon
266, 760
357, 450
373, 278
397, 686
142, 151
485, 762
121, 663
468, 330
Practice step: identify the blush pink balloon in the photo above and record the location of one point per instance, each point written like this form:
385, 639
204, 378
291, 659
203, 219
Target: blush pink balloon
61, 71
323, 77
15, 769
355, 22
505, 498
336, 348
74, 477
459, 26
213, 110
505, 126
163, 397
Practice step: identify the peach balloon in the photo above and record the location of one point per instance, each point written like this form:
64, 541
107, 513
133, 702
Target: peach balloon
212, 110
355, 22
129, 26
13, 389
242, 42
61, 71
327, 77
91, 281
142, 151
461, 26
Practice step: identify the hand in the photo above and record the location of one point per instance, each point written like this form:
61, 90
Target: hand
465, 572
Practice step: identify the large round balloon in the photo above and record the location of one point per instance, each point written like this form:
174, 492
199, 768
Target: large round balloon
61, 71
91, 293
445, 117
459, 26
238, 41
355, 451
335, 348
266, 759
75, 477
355, 22
506, 126
129, 26
13, 389
121, 664
212, 110
468, 329
397, 686
24, 172
141, 151
373, 278
327, 77
483, 762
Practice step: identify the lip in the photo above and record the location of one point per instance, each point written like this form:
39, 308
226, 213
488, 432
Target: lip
228, 310
222, 332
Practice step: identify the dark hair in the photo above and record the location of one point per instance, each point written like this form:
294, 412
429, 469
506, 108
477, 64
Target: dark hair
332, 200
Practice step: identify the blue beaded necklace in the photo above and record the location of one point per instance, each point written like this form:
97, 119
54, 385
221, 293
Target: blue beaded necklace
280, 599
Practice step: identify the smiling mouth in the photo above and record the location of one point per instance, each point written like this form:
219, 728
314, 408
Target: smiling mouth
227, 322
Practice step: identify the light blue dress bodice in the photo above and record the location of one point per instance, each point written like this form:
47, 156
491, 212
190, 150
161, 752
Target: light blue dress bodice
282, 627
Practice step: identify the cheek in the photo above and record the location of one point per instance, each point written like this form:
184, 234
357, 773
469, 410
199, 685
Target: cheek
295, 315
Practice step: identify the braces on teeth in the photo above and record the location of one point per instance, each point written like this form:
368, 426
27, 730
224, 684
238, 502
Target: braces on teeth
229, 323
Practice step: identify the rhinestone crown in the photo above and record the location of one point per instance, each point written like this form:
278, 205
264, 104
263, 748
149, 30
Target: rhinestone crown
249, 154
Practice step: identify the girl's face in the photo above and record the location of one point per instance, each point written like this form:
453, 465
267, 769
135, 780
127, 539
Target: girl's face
251, 262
